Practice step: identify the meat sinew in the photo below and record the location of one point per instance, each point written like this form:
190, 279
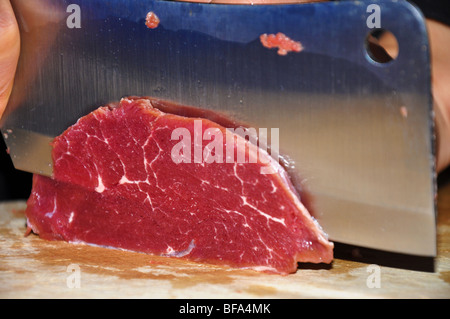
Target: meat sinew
116, 184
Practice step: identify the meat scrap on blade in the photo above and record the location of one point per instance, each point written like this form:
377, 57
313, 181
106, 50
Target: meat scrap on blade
151, 20
280, 41
116, 184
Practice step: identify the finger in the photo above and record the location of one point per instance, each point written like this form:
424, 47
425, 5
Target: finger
9, 51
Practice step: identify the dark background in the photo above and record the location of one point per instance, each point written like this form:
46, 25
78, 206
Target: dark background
14, 184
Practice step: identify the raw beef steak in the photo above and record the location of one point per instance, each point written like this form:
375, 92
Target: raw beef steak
117, 184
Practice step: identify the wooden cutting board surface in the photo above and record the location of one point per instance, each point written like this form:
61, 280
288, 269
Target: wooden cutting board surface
34, 268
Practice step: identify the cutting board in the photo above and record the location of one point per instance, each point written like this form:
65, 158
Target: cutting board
31, 267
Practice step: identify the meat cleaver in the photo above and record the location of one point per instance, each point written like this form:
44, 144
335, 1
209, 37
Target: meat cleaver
356, 131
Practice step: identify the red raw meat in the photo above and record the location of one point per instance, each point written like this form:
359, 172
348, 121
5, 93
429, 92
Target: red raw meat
115, 184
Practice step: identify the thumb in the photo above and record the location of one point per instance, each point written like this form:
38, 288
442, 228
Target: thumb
9, 51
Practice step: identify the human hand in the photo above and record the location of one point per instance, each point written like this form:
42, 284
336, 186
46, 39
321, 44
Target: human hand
9, 51
439, 35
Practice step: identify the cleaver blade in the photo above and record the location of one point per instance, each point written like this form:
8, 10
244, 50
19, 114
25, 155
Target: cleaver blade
357, 132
